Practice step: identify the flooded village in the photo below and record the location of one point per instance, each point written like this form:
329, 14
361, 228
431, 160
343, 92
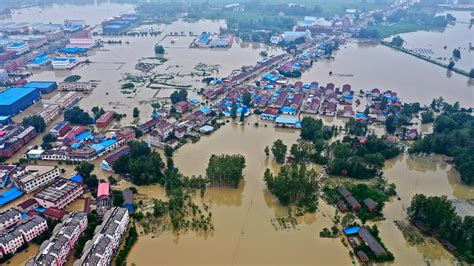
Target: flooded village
81, 92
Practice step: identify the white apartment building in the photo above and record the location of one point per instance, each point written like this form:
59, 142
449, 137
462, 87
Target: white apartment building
106, 241
33, 177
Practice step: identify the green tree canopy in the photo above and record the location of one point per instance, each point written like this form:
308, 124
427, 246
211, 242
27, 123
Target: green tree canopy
225, 170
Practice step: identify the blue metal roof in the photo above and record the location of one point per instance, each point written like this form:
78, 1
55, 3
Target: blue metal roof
108, 143
12, 95
351, 230
85, 135
40, 84
77, 178
286, 120
10, 195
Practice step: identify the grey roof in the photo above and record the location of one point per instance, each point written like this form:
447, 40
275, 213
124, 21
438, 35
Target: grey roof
343, 191
127, 195
57, 190
353, 202
8, 214
371, 242
370, 203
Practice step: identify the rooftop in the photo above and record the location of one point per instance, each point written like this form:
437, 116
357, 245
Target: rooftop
12, 95
40, 84
57, 190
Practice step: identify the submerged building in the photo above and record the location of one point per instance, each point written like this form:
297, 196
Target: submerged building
15, 100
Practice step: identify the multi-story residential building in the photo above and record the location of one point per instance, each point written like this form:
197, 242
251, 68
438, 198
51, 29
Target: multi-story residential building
85, 87
105, 119
50, 113
56, 250
9, 218
22, 233
59, 193
106, 241
165, 130
64, 62
13, 137
32, 177
60, 129
18, 47
3, 75
65, 101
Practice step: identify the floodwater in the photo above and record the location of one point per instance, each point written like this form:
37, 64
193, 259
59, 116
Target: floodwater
92, 13
377, 66
113, 61
244, 234
459, 36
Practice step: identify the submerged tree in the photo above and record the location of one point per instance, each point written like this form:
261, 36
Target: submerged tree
279, 151
225, 170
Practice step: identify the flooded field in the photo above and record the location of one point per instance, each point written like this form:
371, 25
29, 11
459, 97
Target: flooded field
440, 44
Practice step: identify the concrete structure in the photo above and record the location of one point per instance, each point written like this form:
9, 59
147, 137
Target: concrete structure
58, 248
9, 218
107, 238
66, 101
85, 87
60, 129
15, 100
105, 119
13, 137
64, 62
28, 205
3, 75
82, 42
108, 162
59, 193
42, 86
50, 113
181, 107
32, 177
18, 47
21, 234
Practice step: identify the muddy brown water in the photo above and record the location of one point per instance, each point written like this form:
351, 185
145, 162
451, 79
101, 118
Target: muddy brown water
244, 233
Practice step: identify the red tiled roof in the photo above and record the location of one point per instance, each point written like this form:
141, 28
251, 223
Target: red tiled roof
55, 213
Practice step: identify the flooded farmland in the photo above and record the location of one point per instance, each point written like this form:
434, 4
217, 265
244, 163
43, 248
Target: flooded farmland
244, 233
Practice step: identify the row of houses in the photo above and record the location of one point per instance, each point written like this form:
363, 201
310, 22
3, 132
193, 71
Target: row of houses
57, 250
24, 231
107, 237
81, 144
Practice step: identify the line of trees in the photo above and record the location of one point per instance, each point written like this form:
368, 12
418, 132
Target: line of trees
439, 215
453, 135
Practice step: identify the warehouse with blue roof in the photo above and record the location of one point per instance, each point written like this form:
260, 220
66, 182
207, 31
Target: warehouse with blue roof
43, 86
15, 100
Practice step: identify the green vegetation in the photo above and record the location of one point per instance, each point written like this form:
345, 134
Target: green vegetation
358, 159
357, 127
294, 185
385, 31
279, 151
438, 216
375, 232
397, 41
143, 165
128, 86
98, 112
453, 135
427, 117
93, 222
85, 169
132, 237
136, 112
72, 78
326, 233
225, 170
35, 121
178, 96
78, 116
